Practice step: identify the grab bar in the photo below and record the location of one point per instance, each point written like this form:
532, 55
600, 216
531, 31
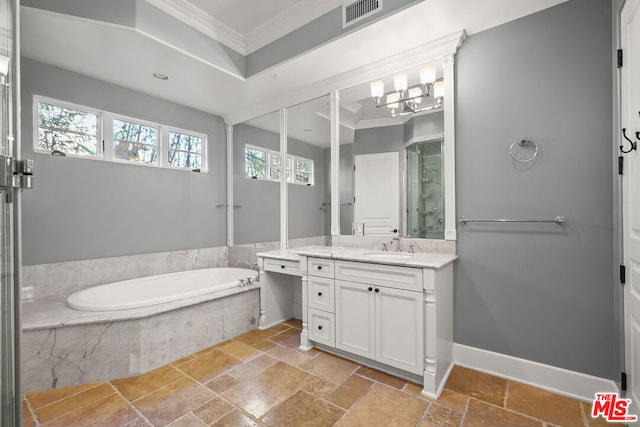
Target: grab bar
558, 220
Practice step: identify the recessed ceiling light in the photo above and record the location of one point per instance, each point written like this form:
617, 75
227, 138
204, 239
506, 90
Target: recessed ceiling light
160, 76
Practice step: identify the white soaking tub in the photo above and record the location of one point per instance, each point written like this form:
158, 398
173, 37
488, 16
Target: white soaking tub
160, 289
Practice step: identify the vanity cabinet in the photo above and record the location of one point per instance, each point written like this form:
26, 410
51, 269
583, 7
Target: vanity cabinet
380, 323
321, 301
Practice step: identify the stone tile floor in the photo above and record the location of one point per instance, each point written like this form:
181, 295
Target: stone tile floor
262, 379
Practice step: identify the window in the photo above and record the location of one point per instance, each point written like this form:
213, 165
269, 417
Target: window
185, 150
303, 171
261, 163
135, 142
68, 129
255, 163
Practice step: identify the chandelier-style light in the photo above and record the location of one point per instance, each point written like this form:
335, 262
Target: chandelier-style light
407, 100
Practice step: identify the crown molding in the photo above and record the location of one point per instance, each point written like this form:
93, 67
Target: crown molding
203, 22
287, 21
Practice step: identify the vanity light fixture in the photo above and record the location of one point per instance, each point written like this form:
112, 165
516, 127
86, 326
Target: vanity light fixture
406, 100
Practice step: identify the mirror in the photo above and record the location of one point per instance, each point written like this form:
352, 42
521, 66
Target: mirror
308, 136
396, 147
256, 188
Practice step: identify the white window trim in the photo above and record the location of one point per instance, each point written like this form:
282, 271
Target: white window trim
106, 142
290, 158
203, 154
36, 125
110, 141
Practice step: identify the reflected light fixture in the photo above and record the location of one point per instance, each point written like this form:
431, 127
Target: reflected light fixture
407, 100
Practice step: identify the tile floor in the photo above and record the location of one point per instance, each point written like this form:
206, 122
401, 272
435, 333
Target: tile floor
261, 379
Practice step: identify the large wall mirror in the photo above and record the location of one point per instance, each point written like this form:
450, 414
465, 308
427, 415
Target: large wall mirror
256, 189
308, 137
391, 157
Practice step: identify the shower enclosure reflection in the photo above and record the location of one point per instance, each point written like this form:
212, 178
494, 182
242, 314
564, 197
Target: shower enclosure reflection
425, 202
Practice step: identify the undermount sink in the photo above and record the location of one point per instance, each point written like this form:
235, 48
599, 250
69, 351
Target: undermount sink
388, 255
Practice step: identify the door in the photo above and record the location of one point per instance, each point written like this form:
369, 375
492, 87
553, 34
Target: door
8, 314
355, 318
377, 193
630, 100
398, 327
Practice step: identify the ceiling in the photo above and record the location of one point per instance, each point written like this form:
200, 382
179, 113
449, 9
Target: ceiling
243, 16
128, 57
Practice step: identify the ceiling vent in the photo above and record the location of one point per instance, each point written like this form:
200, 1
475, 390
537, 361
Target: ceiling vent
354, 11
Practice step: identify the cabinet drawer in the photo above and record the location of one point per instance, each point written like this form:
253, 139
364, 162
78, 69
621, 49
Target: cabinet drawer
321, 327
391, 276
320, 267
321, 293
282, 266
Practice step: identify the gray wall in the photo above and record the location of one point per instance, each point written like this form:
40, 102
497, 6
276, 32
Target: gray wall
539, 292
83, 209
258, 217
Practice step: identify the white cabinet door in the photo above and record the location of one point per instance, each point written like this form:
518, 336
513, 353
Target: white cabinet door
355, 318
398, 328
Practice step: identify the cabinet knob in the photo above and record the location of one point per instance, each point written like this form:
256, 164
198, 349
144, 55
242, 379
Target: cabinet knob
320, 327
370, 288
319, 294
377, 290
282, 266
319, 267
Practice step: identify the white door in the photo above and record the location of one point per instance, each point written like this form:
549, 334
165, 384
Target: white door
355, 318
377, 192
630, 97
398, 325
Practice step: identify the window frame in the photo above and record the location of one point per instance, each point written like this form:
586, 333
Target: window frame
110, 140
270, 155
106, 141
37, 99
166, 136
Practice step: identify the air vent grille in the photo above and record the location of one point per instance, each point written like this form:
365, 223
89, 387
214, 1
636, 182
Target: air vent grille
355, 11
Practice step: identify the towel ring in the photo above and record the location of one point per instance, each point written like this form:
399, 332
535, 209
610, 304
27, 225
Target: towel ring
523, 142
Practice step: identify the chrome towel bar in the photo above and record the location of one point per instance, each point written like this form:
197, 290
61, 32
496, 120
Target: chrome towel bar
558, 220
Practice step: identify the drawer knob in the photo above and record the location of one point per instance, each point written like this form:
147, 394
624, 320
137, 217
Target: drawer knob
282, 266
370, 288
320, 327
319, 294
319, 267
377, 290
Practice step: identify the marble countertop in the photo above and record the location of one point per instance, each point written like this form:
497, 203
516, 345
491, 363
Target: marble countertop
418, 259
283, 254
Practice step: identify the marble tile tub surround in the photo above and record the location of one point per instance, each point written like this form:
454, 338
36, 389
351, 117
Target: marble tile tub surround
71, 355
64, 278
375, 242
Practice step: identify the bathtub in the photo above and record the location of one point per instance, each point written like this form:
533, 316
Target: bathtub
163, 288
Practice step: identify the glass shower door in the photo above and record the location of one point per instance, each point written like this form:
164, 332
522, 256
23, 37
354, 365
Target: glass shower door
9, 300
425, 195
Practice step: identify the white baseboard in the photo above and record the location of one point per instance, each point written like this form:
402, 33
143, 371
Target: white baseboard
557, 380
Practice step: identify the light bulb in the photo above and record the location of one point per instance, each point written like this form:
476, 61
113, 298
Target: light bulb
416, 94
400, 82
438, 89
377, 89
392, 100
428, 74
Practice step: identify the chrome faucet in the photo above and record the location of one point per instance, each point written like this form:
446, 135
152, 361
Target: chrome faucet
396, 238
